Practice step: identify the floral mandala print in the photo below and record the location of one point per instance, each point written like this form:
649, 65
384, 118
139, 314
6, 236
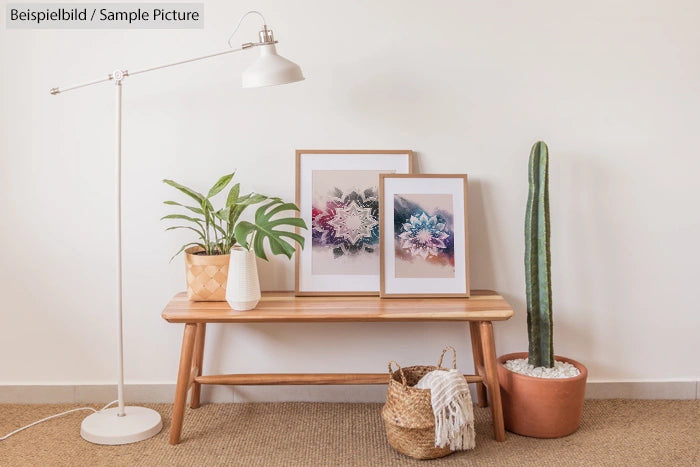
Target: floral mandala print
423, 236
348, 223
424, 243
353, 222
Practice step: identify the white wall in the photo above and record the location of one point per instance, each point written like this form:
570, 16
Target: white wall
613, 87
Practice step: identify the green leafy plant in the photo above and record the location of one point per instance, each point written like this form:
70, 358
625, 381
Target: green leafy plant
218, 230
538, 277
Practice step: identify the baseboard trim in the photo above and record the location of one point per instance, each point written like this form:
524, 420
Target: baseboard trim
678, 390
165, 393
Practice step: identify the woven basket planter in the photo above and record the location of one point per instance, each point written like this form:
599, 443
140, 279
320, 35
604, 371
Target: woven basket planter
408, 413
206, 276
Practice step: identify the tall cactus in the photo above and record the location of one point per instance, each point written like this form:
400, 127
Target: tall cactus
538, 260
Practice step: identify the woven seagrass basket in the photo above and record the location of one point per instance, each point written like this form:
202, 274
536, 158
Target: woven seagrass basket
408, 414
206, 276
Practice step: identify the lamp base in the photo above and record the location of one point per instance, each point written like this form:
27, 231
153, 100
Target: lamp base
107, 427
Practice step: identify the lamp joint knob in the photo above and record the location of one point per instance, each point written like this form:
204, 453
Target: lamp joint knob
118, 75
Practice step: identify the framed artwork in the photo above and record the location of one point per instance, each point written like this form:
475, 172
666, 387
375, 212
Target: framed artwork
424, 247
337, 192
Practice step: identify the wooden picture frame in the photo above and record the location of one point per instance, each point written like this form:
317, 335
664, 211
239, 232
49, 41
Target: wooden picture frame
424, 247
337, 194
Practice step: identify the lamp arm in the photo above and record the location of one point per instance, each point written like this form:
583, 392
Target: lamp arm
265, 39
120, 74
216, 54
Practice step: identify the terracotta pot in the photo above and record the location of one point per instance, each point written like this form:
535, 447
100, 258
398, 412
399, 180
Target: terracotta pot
541, 407
206, 276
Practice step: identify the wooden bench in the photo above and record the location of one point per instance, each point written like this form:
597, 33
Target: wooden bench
283, 307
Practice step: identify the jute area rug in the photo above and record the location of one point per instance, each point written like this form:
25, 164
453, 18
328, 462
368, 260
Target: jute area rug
613, 432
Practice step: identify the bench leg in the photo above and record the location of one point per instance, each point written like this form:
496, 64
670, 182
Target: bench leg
488, 347
183, 379
197, 363
478, 363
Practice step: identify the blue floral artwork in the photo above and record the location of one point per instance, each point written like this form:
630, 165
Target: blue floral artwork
424, 235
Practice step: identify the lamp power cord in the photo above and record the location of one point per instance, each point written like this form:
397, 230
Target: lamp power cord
55, 416
239, 24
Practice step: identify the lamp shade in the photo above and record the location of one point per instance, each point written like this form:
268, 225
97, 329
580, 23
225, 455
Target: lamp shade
270, 69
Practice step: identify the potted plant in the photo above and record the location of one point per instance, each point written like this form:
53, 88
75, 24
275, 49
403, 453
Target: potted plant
543, 395
221, 233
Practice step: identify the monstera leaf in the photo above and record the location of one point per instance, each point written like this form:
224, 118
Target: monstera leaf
265, 227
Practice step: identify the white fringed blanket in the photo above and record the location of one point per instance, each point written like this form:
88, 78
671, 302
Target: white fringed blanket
452, 406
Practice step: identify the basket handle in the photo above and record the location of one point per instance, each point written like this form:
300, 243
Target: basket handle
454, 357
391, 373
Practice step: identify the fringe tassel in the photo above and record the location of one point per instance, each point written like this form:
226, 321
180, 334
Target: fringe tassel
454, 424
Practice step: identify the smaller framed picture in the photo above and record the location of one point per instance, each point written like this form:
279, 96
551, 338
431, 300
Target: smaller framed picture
424, 247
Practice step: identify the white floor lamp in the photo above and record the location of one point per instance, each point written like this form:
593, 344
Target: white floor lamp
122, 425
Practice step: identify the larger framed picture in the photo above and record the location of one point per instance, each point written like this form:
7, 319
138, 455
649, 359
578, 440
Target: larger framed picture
337, 192
424, 236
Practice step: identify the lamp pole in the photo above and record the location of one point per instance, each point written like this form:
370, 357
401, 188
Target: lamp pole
118, 205
129, 424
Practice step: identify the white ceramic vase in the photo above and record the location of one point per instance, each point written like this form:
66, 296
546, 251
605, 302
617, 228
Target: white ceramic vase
243, 286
